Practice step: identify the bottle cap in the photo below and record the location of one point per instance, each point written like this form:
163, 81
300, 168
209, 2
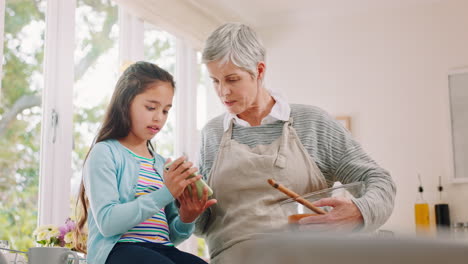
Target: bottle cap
420, 188
440, 188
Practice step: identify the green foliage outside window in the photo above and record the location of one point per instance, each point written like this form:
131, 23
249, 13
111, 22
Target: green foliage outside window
20, 112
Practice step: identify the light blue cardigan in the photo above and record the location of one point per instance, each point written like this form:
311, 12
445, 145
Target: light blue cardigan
110, 176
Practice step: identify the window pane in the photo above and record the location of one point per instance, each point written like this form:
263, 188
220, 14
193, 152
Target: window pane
160, 48
20, 120
96, 73
208, 103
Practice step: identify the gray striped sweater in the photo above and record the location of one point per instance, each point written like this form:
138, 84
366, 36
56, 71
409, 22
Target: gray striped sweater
337, 154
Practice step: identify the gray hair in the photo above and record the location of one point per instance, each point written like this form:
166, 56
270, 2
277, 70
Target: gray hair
237, 43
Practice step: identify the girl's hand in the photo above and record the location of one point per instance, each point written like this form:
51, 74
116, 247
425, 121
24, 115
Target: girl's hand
176, 177
190, 206
344, 217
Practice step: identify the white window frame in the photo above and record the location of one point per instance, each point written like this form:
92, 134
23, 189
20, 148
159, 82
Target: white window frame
57, 138
57, 118
131, 37
186, 93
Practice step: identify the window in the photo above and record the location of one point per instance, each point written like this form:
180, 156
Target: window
208, 103
20, 119
96, 73
160, 48
95, 64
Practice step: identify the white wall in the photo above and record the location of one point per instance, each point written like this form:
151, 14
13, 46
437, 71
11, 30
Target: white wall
388, 71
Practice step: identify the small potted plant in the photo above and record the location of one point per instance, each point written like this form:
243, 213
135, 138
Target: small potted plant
55, 242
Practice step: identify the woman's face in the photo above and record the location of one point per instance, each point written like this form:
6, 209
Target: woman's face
149, 110
237, 88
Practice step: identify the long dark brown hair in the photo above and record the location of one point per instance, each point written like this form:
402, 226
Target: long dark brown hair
134, 80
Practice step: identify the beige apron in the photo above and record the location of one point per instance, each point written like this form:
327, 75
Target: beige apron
247, 205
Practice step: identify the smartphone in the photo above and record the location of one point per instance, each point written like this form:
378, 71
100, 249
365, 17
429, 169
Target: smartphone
200, 184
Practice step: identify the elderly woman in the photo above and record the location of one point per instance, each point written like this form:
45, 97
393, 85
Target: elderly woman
261, 136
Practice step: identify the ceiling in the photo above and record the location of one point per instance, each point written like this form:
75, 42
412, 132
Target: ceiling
267, 13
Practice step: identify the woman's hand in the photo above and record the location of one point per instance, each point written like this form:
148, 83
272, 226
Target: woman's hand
190, 206
176, 177
344, 217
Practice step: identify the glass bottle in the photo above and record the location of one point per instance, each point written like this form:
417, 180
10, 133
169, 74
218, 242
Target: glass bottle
442, 212
421, 212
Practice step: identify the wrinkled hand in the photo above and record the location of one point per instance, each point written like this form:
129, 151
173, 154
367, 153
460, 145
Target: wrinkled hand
344, 217
176, 177
190, 206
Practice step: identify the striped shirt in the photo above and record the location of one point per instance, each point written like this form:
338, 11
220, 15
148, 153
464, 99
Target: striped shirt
338, 156
154, 229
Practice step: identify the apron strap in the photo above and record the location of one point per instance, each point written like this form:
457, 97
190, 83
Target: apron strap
227, 136
280, 161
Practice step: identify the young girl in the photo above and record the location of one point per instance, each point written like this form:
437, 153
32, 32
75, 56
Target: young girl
133, 217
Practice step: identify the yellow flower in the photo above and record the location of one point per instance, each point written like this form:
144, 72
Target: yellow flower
44, 228
47, 235
68, 238
41, 235
53, 232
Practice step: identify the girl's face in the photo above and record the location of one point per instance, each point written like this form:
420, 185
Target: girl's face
149, 110
237, 88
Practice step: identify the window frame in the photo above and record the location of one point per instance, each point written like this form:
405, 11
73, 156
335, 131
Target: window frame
186, 107
131, 37
57, 108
